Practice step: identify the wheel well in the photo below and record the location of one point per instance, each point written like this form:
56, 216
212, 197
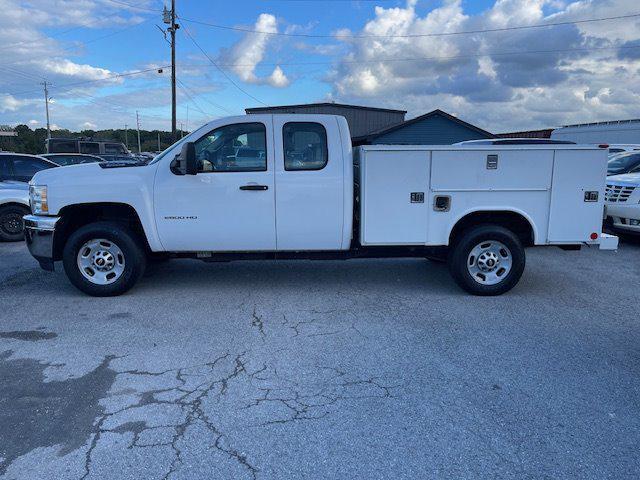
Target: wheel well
76, 216
15, 204
513, 221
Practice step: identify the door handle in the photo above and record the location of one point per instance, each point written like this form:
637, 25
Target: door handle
254, 187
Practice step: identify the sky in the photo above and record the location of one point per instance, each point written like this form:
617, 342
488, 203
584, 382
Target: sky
502, 65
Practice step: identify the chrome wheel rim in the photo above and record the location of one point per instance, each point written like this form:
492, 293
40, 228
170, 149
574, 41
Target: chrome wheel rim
489, 262
101, 261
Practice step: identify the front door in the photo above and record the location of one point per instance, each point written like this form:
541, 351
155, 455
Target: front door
230, 204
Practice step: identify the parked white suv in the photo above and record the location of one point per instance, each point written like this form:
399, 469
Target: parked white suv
622, 197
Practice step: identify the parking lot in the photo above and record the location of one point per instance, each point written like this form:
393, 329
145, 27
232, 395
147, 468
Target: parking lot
358, 369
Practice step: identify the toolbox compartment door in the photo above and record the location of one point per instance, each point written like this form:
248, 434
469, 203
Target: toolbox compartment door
394, 196
572, 216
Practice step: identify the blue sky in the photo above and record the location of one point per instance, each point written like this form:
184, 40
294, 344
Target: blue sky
378, 52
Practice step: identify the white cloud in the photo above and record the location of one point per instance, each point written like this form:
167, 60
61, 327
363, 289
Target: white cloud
467, 75
71, 69
8, 103
247, 53
88, 126
33, 123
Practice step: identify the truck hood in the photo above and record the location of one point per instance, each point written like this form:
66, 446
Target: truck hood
629, 178
80, 172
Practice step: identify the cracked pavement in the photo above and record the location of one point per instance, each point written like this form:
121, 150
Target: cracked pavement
358, 369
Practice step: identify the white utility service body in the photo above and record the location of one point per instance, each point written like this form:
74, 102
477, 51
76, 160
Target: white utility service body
291, 186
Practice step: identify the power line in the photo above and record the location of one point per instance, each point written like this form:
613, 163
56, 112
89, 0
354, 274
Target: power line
79, 44
418, 59
410, 35
85, 82
63, 32
135, 7
186, 30
195, 94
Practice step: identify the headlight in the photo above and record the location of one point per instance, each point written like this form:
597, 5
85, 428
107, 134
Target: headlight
38, 199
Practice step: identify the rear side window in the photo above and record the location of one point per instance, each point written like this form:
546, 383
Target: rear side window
62, 146
89, 147
305, 146
113, 148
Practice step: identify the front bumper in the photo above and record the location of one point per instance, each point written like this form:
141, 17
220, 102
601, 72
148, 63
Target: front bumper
621, 217
39, 233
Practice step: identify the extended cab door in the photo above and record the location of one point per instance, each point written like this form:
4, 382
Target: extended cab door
229, 205
309, 182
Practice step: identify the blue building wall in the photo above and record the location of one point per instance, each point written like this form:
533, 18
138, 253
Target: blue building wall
433, 130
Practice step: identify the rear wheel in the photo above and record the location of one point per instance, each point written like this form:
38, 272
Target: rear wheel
103, 259
487, 260
11, 223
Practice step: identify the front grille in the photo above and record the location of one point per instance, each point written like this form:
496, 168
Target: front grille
618, 193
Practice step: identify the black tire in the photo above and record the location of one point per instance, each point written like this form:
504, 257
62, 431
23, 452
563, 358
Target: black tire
467, 241
11, 223
130, 244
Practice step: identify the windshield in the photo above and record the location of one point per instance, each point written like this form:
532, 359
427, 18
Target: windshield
162, 155
623, 162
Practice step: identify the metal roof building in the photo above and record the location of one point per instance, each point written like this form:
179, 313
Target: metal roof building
371, 125
361, 120
433, 128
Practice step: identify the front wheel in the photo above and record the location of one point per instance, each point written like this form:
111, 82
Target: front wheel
11, 223
487, 260
103, 259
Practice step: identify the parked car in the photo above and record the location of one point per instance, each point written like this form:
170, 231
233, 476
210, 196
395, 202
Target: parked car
623, 148
477, 207
515, 141
623, 163
64, 159
21, 167
622, 207
14, 204
85, 145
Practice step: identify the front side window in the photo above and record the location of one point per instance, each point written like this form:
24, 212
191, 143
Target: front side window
4, 169
25, 167
241, 147
305, 146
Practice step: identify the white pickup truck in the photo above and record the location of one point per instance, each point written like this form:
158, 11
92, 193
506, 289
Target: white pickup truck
292, 187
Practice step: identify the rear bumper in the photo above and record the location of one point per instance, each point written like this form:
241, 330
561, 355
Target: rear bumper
39, 233
607, 242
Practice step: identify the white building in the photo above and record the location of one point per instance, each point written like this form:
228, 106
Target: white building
615, 132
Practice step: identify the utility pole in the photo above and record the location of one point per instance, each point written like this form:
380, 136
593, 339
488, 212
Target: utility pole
159, 141
138, 127
169, 18
181, 130
46, 107
126, 136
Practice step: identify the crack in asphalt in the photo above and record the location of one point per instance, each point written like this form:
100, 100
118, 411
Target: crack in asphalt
256, 321
190, 387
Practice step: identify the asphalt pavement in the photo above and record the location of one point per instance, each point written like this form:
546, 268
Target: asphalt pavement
372, 369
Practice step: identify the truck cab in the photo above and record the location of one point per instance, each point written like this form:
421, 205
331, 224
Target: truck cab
291, 186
